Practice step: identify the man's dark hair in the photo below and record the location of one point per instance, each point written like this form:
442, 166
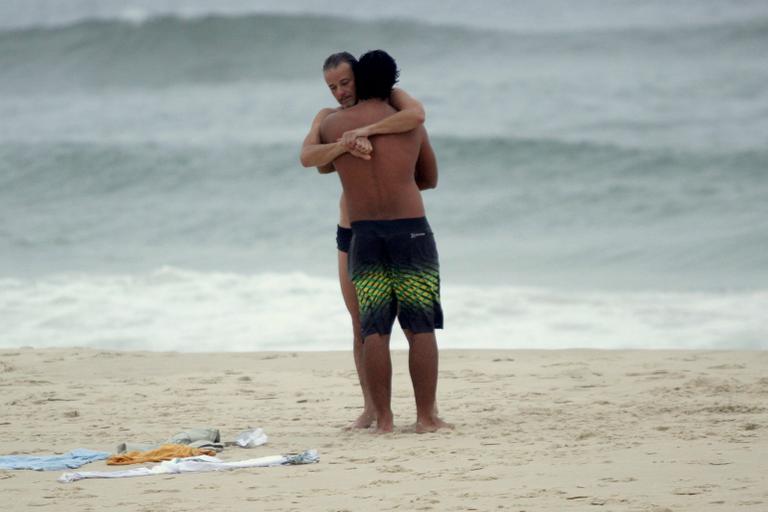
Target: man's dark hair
339, 58
375, 74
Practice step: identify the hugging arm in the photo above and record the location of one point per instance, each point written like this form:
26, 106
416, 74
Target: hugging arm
410, 115
316, 154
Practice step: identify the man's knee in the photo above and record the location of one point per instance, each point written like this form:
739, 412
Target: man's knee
421, 339
376, 340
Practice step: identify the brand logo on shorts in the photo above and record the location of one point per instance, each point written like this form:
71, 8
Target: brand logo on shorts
414, 235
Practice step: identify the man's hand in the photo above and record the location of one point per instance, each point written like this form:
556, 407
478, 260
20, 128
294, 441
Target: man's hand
356, 153
349, 138
362, 147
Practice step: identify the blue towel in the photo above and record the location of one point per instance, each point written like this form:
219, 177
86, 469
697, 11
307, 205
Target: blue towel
73, 459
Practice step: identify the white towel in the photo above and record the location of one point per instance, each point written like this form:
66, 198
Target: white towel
199, 464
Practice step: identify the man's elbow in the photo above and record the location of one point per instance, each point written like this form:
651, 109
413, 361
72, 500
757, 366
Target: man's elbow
420, 116
427, 184
304, 159
326, 169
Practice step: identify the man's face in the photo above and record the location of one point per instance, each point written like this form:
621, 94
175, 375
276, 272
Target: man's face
341, 82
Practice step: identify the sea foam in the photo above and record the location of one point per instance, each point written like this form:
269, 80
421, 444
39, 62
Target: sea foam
172, 309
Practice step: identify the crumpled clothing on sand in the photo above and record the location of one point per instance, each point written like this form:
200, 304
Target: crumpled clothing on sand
207, 438
165, 452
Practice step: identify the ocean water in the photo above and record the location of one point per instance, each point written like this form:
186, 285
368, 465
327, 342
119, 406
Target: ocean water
603, 171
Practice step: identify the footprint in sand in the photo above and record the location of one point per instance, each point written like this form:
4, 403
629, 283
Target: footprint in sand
393, 469
727, 367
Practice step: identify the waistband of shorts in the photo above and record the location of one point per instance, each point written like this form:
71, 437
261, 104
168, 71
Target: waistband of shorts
391, 227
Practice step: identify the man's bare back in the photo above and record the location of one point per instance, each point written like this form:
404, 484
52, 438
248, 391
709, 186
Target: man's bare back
384, 187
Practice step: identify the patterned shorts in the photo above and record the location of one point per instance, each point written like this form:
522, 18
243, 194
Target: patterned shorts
394, 267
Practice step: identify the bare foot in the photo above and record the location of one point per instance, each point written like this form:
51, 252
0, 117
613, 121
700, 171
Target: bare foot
384, 429
384, 423
431, 425
365, 420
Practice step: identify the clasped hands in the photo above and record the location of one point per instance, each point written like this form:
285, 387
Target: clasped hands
357, 144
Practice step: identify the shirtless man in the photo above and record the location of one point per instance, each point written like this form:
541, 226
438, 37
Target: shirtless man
339, 76
393, 259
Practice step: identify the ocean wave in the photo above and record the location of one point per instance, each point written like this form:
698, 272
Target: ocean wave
167, 50
550, 157
142, 50
586, 212
599, 171
751, 22
176, 309
499, 158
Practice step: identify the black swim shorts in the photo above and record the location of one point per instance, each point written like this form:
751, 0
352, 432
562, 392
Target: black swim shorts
343, 238
394, 267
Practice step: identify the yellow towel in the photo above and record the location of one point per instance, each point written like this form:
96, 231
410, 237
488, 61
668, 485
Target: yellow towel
165, 452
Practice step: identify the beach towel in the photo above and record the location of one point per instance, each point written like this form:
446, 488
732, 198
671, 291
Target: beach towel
165, 452
71, 460
196, 465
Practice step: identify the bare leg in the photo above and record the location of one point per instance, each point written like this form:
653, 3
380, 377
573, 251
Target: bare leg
366, 418
409, 336
378, 372
422, 363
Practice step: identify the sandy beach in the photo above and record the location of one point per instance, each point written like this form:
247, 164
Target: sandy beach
648, 431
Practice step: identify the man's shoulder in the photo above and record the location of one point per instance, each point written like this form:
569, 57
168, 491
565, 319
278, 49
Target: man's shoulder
334, 117
329, 125
325, 112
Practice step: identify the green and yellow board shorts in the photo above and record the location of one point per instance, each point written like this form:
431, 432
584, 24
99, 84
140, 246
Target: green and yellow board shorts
394, 267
